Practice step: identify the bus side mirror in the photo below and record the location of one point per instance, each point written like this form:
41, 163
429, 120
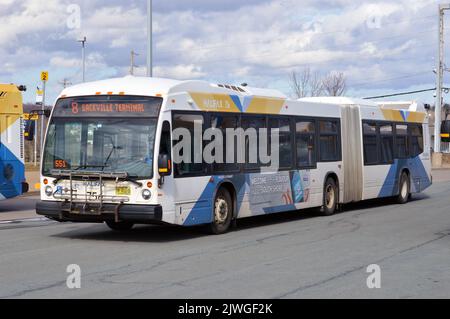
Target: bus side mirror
30, 127
164, 165
47, 113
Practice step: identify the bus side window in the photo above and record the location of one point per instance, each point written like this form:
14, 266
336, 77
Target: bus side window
417, 143
193, 166
401, 137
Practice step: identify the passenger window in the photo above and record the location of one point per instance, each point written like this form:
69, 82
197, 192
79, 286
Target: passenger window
251, 141
306, 144
229, 147
416, 140
387, 144
283, 128
401, 137
192, 164
329, 141
370, 143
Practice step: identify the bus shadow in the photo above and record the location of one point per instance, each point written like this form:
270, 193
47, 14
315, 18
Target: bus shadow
167, 233
140, 233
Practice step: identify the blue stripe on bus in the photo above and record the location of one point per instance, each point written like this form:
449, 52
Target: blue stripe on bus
419, 177
202, 212
9, 162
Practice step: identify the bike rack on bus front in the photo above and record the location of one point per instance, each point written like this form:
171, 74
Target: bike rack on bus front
89, 199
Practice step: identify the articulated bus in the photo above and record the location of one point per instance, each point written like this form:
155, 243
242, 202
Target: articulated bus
110, 149
12, 167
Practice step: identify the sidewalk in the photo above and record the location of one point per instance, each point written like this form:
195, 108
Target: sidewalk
33, 179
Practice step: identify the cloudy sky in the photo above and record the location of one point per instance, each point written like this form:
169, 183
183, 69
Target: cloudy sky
382, 46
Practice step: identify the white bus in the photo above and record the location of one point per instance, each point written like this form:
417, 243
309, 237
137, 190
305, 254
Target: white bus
110, 144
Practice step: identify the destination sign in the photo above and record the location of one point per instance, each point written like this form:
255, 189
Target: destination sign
101, 106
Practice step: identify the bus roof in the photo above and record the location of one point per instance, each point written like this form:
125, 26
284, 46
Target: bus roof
144, 86
339, 100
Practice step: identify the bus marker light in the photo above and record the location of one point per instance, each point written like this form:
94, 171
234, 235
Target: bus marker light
45, 181
98, 93
149, 184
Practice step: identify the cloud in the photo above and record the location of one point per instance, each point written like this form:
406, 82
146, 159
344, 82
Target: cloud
256, 41
180, 72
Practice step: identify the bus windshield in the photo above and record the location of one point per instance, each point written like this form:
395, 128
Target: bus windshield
116, 142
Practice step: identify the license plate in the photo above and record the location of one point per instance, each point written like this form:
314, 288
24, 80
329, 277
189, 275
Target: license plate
123, 191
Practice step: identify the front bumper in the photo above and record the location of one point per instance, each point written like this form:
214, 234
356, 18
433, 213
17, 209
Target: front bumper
80, 212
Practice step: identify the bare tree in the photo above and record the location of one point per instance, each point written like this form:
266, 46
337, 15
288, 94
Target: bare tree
306, 83
335, 84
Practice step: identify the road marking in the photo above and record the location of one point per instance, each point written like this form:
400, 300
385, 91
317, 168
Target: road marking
41, 219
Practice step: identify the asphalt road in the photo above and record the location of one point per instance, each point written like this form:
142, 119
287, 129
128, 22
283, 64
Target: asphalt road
19, 208
296, 255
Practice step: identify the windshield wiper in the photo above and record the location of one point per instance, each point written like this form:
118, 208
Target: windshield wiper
90, 166
113, 149
132, 179
76, 169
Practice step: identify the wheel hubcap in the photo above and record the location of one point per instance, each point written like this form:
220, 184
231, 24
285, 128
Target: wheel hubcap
221, 211
330, 197
404, 189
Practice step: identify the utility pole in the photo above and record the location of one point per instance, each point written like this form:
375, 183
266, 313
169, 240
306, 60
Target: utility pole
133, 65
149, 39
83, 57
65, 83
439, 83
44, 78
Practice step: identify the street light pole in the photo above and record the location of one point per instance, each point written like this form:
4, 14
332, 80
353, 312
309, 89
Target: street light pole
83, 57
149, 39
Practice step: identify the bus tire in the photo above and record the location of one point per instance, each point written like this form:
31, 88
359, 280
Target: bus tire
330, 197
120, 226
222, 213
404, 188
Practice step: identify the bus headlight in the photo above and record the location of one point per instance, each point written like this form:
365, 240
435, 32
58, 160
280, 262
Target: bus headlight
146, 194
49, 191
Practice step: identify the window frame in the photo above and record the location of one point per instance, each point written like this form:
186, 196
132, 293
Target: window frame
292, 138
315, 138
205, 166
395, 135
338, 135
377, 138
422, 135
244, 168
379, 142
211, 170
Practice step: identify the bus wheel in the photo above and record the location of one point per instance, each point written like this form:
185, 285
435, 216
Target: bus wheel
223, 213
330, 198
404, 189
121, 226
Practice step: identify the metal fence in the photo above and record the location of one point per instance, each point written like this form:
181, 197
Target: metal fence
445, 148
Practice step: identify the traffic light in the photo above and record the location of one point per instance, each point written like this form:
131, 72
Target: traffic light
30, 127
